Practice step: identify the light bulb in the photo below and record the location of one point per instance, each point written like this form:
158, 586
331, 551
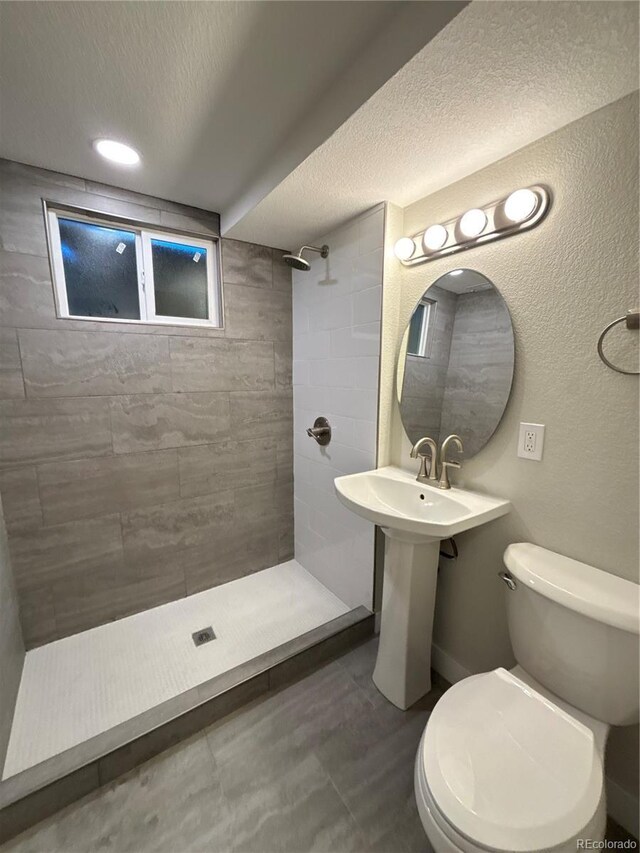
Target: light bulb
473, 222
520, 205
117, 152
404, 248
434, 238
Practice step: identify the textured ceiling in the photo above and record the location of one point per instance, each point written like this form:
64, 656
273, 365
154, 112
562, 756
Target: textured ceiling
206, 91
499, 76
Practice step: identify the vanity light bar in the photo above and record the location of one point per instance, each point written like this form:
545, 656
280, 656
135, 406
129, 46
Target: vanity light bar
521, 210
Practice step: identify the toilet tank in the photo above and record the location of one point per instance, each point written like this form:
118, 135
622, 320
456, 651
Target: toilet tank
576, 630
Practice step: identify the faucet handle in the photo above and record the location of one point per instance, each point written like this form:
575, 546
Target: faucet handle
445, 463
426, 474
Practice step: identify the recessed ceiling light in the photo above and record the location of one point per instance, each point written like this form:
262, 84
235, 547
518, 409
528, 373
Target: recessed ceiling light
404, 248
117, 152
456, 272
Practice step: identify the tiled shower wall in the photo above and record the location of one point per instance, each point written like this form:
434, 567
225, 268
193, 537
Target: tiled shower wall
138, 464
336, 345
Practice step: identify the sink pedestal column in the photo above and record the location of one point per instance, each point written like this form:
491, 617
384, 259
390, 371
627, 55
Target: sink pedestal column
403, 667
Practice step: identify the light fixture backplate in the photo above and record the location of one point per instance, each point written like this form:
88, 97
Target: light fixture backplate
497, 227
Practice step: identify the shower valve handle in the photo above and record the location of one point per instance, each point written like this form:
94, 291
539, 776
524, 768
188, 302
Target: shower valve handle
320, 431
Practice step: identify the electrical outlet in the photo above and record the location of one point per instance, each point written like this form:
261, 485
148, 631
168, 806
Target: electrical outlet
531, 441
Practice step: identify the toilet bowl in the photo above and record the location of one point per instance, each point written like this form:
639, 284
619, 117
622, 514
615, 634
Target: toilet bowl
506, 763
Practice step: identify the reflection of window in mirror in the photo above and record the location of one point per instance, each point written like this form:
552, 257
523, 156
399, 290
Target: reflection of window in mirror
421, 328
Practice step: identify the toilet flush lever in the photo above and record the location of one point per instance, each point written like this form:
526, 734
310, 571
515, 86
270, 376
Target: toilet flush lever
506, 577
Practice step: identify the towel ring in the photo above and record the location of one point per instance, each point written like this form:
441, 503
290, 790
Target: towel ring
632, 320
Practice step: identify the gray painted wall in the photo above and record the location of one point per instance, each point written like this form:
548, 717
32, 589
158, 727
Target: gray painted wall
11, 645
138, 464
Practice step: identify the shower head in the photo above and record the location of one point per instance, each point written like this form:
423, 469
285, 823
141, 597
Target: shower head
297, 262
300, 263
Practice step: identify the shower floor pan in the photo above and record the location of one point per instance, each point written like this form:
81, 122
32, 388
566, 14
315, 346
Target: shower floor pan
93, 705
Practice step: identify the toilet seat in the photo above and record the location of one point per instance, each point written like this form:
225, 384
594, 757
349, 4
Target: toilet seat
508, 769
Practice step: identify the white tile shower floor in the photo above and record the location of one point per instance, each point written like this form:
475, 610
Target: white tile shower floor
77, 687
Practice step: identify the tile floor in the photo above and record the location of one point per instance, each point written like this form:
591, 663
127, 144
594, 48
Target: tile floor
78, 687
325, 764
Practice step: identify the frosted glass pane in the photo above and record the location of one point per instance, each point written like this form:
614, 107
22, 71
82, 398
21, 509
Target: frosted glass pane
415, 330
180, 280
100, 270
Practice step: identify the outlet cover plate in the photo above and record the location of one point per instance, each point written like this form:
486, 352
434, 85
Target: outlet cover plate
531, 441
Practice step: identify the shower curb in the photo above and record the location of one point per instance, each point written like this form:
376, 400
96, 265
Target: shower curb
42, 790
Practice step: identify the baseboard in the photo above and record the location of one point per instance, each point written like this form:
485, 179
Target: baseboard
623, 807
446, 666
621, 804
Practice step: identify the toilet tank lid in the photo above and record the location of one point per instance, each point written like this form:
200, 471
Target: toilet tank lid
577, 586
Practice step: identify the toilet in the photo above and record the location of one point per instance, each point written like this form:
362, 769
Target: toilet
513, 760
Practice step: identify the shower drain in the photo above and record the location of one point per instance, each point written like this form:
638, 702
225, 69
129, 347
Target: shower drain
204, 635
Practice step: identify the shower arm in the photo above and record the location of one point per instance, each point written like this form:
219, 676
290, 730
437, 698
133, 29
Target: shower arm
323, 251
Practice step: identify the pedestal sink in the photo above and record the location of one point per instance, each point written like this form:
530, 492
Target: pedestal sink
415, 518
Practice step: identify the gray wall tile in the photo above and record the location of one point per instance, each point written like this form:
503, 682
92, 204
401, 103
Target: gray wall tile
227, 465
90, 487
283, 364
261, 414
221, 365
79, 364
40, 557
284, 457
247, 545
258, 314
11, 643
246, 263
20, 498
81, 603
150, 532
43, 430
191, 219
157, 421
11, 384
106, 404
37, 616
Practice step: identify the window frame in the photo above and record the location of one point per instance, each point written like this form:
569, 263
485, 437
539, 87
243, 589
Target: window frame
426, 328
144, 232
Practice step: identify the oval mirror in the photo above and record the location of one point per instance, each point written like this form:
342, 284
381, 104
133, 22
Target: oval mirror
455, 366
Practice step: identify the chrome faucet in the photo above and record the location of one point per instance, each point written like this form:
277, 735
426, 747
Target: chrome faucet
445, 464
424, 475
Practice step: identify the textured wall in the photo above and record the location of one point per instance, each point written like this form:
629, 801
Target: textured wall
562, 282
11, 644
336, 344
138, 464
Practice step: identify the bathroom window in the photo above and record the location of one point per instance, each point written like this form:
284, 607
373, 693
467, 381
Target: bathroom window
421, 329
113, 271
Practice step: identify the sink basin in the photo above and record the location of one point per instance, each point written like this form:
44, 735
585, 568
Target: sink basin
392, 498
415, 517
